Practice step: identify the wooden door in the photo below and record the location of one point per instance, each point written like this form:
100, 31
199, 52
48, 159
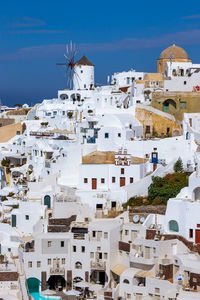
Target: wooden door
122, 181
197, 236
94, 183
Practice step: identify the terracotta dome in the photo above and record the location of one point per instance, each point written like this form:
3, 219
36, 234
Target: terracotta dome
175, 51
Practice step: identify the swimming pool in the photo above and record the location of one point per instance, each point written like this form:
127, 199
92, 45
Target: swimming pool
37, 296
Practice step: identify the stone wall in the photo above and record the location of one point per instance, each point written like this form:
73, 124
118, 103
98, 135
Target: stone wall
191, 100
159, 125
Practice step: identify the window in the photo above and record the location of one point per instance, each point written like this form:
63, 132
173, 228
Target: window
62, 244
30, 264
74, 248
78, 265
18, 132
81, 71
190, 233
105, 255
182, 104
148, 129
198, 225
106, 135
126, 232
9, 249
84, 86
27, 217
55, 113
102, 180
131, 179
91, 254
126, 281
93, 233
100, 255
185, 82
49, 243
173, 226
63, 112
105, 235
83, 249
38, 264
63, 261
122, 170
113, 179
85, 180
49, 261
119, 134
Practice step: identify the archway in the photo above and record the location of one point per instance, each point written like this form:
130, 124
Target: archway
169, 105
64, 97
75, 97
196, 193
173, 226
47, 201
56, 281
33, 284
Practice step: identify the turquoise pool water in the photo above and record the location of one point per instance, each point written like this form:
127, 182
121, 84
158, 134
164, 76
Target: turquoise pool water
37, 296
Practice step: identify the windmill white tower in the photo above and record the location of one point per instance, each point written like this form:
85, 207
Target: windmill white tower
83, 78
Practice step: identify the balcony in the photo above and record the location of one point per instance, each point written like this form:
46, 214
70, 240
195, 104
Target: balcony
98, 265
57, 271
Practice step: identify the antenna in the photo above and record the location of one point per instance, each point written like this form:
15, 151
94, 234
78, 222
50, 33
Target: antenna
71, 52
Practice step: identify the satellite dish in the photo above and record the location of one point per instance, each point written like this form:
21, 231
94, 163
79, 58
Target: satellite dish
142, 219
136, 219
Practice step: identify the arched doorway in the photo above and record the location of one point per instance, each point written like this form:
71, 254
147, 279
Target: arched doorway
47, 201
196, 193
56, 281
169, 105
33, 284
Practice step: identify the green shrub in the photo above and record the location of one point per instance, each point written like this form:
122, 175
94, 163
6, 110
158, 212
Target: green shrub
166, 187
134, 201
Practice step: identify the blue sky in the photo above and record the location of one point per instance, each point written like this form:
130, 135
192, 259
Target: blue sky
114, 35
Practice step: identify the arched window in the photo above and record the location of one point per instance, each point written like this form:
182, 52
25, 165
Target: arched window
126, 281
78, 265
173, 226
75, 97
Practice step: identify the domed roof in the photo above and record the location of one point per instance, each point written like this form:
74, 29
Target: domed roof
174, 52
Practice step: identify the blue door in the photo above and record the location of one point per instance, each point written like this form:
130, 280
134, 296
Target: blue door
47, 201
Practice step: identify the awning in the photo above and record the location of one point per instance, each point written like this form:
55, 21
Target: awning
144, 274
119, 269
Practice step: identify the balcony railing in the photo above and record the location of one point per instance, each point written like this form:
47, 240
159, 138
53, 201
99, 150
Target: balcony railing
57, 271
100, 265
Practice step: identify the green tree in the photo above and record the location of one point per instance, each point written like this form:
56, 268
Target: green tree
178, 166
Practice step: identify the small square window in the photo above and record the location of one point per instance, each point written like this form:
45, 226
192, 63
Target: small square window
9, 249
93, 233
105, 235
49, 261
30, 264
105, 255
83, 249
85, 180
185, 82
74, 248
62, 244
126, 232
102, 180
27, 217
122, 170
91, 254
106, 135
119, 134
131, 179
113, 179
49, 243
182, 104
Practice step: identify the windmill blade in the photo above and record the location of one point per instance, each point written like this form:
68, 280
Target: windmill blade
61, 64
